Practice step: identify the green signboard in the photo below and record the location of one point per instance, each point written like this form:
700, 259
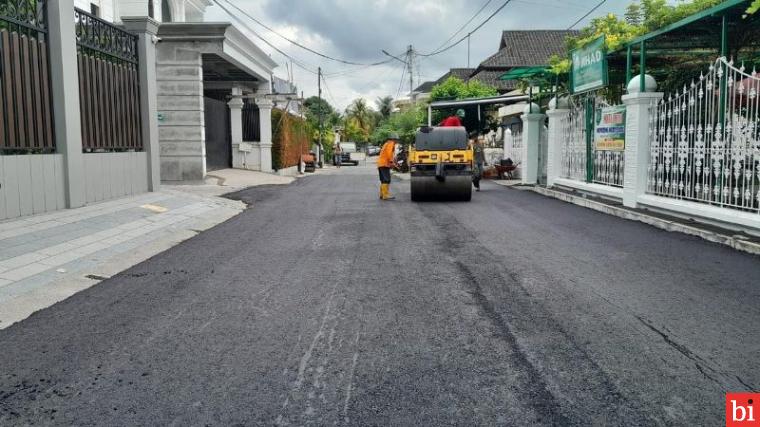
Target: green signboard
589, 67
609, 129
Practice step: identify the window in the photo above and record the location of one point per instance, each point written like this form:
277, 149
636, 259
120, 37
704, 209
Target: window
166, 12
95, 9
150, 9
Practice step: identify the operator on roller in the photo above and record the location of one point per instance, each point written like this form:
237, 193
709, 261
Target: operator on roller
385, 161
455, 120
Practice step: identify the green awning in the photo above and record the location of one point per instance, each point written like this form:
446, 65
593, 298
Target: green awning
524, 73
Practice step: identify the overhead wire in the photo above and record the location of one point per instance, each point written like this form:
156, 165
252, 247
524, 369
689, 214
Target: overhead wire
247, 27
465, 24
344, 61
495, 12
587, 14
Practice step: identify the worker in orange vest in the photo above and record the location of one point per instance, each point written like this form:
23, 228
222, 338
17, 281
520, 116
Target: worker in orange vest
385, 162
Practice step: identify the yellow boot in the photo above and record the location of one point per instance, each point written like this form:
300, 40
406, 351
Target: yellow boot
382, 191
387, 192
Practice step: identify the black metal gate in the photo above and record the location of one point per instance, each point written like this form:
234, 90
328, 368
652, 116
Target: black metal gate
218, 139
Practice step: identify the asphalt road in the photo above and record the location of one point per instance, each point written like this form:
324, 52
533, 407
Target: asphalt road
322, 305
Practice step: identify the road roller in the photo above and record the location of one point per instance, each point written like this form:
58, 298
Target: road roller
441, 165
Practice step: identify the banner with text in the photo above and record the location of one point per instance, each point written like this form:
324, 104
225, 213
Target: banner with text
609, 132
589, 66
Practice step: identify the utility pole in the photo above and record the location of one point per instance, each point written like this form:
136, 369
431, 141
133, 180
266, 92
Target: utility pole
410, 59
319, 90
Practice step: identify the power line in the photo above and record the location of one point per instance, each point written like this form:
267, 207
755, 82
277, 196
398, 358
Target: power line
401, 83
247, 27
438, 51
465, 24
344, 61
587, 14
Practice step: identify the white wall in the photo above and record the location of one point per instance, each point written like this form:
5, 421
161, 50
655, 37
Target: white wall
106, 7
112, 175
31, 184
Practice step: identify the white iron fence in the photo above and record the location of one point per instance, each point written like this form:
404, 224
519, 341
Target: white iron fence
513, 146
573, 140
705, 140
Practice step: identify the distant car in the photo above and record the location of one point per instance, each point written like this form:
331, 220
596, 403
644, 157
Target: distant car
373, 150
349, 153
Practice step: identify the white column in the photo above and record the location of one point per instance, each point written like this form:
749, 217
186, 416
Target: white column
146, 28
236, 116
240, 159
64, 77
636, 144
554, 148
531, 139
265, 132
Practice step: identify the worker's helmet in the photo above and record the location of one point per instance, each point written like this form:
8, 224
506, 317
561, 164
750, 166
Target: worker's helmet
394, 136
460, 113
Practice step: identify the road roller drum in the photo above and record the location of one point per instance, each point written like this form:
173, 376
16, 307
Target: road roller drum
441, 165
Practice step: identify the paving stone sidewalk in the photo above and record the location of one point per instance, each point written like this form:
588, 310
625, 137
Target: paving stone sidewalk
47, 258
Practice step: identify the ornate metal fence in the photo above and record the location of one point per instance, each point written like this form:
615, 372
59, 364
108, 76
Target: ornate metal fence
578, 149
513, 146
705, 140
26, 120
573, 131
109, 92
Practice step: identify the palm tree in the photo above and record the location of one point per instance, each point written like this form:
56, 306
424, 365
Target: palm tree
360, 113
384, 106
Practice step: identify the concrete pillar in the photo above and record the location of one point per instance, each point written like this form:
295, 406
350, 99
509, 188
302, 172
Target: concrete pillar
236, 116
636, 144
532, 123
241, 156
181, 132
554, 146
147, 28
265, 126
64, 77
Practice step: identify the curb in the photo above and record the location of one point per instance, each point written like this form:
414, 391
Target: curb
663, 224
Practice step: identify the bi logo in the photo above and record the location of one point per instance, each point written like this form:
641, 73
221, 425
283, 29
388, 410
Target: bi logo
740, 409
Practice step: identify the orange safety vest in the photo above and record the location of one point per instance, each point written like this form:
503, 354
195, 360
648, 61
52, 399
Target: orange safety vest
387, 153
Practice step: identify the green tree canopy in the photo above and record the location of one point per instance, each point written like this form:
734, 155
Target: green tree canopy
405, 123
456, 88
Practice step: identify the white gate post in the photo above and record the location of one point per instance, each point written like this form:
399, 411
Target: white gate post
64, 77
265, 126
532, 123
146, 29
554, 148
235, 105
637, 144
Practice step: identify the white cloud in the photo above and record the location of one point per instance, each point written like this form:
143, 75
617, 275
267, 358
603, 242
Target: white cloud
358, 30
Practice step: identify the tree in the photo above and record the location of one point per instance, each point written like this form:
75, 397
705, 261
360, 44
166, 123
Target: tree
754, 7
456, 88
405, 123
633, 14
384, 106
359, 117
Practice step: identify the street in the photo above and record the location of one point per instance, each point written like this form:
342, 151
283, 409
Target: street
321, 305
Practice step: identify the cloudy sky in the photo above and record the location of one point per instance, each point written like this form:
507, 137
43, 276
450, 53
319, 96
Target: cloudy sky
358, 30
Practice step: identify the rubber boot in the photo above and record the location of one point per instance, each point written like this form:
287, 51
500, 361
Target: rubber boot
382, 191
387, 195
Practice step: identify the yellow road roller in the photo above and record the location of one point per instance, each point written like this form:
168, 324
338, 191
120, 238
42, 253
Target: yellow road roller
441, 164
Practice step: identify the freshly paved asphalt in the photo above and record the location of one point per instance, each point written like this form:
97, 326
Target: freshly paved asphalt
321, 305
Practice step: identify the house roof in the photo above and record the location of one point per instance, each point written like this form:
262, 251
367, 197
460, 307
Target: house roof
462, 73
425, 87
524, 48
492, 78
